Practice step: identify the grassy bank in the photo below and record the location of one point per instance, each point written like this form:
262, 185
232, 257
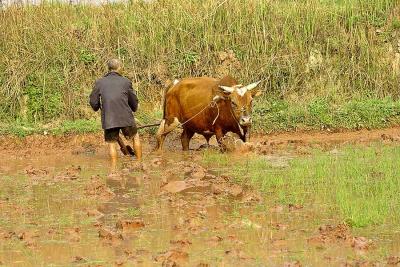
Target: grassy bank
360, 184
270, 115
304, 51
323, 114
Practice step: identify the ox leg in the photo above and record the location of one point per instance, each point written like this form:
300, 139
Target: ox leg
185, 139
165, 129
219, 134
243, 136
208, 137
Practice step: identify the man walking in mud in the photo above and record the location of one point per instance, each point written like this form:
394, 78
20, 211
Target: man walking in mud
114, 94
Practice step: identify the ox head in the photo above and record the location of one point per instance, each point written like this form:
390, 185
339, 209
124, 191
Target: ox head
240, 98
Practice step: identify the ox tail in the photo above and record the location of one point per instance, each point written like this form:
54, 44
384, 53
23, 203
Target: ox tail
168, 87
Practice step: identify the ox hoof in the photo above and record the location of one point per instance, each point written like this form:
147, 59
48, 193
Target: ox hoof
130, 151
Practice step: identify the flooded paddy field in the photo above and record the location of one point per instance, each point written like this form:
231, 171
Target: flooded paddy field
285, 200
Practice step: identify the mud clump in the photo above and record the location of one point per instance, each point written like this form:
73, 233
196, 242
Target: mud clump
295, 207
215, 240
192, 185
35, 172
71, 173
73, 234
120, 262
7, 235
279, 226
86, 148
238, 254
292, 264
359, 263
391, 138
37, 175
79, 260
129, 225
94, 213
173, 257
228, 62
28, 238
277, 209
109, 236
220, 186
340, 234
235, 145
361, 243
98, 189
235, 190
175, 187
181, 242
330, 234
393, 260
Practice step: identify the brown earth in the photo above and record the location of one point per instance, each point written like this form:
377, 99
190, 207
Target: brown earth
89, 143
60, 206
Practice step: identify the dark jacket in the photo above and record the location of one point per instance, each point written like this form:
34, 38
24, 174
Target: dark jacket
117, 100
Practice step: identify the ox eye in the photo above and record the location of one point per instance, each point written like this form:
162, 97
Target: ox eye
234, 104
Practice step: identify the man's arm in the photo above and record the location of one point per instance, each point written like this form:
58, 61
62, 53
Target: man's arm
132, 98
95, 98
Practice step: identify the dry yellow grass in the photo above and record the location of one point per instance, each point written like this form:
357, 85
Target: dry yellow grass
50, 54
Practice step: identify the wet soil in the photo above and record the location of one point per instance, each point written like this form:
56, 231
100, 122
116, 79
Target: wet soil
61, 206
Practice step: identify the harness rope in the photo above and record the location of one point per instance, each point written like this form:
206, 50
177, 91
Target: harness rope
212, 104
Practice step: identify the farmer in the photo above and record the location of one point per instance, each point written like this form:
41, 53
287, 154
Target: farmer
114, 94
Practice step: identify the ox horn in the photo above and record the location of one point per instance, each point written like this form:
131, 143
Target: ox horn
250, 86
227, 89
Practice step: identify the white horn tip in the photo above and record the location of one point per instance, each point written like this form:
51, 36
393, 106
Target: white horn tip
227, 88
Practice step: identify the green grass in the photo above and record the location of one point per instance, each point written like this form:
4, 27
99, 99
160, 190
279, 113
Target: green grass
321, 114
269, 115
360, 184
22, 129
133, 212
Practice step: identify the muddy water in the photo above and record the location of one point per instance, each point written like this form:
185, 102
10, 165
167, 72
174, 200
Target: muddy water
62, 208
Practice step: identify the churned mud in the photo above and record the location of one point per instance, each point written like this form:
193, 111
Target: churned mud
61, 206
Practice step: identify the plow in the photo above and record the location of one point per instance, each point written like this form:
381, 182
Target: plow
127, 149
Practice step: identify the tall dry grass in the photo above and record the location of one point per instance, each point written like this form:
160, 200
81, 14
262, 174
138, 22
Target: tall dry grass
51, 54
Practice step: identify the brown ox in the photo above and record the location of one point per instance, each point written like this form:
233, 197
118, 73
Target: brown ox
207, 106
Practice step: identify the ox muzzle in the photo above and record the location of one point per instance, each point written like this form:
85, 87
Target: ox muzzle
245, 121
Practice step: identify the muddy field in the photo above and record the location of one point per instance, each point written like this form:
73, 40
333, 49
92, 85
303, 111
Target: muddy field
61, 207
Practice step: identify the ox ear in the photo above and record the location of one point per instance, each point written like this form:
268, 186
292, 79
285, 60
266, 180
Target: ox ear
226, 89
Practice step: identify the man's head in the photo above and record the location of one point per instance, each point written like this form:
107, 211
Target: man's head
114, 65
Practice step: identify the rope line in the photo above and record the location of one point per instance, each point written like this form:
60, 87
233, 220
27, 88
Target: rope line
211, 104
